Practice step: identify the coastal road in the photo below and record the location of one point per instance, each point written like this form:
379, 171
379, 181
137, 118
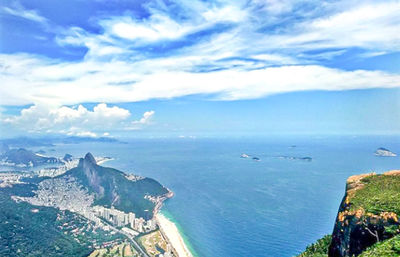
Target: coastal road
135, 244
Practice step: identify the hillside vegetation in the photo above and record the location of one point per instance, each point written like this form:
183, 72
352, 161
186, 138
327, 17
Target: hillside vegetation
112, 187
27, 230
367, 223
381, 193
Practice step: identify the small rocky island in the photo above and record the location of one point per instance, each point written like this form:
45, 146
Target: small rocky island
305, 158
367, 223
383, 152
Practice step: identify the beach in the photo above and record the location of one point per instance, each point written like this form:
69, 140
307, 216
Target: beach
171, 232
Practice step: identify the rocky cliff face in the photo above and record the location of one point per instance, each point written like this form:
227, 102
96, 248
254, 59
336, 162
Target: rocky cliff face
367, 214
90, 168
112, 187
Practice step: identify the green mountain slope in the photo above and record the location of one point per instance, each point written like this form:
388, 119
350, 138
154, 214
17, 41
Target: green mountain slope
113, 187
30, 231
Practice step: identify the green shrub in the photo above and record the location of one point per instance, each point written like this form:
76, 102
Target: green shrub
319, 248
387, 248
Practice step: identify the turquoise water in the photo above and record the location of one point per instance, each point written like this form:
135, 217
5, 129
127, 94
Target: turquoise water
232, 206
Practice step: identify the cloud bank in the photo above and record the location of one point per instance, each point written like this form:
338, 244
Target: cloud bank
229, 50
77, 121
222, 50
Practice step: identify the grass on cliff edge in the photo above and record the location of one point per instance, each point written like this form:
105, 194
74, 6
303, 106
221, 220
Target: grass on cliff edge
380, 193
387, 248
318, 249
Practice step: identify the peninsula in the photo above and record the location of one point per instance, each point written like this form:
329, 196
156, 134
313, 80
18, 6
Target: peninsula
99, 211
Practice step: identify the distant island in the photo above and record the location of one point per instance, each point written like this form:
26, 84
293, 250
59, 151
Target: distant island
88, 210
306, 158
255, 158
383, 152
367, 223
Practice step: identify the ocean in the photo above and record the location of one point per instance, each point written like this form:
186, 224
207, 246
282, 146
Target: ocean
226, 205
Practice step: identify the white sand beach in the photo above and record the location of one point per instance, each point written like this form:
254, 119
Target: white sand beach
169, 229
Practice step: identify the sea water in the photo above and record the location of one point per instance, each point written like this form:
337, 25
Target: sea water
226, 205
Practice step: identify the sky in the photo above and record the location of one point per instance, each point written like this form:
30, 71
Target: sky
190, 68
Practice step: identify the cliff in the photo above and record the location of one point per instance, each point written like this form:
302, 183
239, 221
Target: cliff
367, 214
367, 223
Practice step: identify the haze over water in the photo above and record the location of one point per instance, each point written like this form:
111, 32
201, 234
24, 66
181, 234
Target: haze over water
232, 206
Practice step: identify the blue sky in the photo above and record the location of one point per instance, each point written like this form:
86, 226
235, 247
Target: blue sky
93, 68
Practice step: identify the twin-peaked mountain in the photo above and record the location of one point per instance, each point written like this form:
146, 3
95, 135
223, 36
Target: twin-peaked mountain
112, 187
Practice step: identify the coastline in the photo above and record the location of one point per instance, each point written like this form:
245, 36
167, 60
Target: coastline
173, 236
101, 160
169, 230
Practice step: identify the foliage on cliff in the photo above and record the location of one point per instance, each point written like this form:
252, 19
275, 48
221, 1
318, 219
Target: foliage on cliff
319, 248
367, 214
367, 223
380, 193
388, 248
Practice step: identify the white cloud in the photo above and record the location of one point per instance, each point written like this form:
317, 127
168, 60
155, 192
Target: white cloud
146, 118
20, 11
256, 30
76, 121
156, 28
77, 132
244, 61
230, 13
137, 124
275, 58
35, 80
371, 26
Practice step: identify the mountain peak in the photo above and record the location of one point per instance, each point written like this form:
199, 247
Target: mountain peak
89, 158
87, 161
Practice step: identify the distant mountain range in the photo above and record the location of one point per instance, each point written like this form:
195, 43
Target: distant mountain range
23, 157
51, 141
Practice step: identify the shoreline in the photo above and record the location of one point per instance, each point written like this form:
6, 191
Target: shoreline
171, 232
159, 202
102, 160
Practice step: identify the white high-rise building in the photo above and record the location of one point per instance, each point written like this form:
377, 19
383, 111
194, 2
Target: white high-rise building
131, 219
